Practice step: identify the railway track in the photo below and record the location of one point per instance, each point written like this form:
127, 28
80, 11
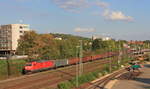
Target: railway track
122, 74
100, 84
50, 79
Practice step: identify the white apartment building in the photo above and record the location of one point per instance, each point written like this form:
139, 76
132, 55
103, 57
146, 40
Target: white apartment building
101, 37
9, 36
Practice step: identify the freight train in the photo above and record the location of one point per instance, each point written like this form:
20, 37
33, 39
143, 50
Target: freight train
40, 65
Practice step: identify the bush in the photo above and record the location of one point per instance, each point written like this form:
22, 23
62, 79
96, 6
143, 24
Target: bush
106, 68
82, 79
65, 85
96, 74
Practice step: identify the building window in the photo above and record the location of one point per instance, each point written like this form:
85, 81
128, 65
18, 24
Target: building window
21, 27
21, 31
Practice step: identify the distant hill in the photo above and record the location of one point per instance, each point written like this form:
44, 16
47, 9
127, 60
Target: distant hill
69, 36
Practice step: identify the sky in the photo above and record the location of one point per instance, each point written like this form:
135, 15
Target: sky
120, 19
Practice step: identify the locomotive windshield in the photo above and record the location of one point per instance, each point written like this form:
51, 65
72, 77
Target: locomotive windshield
29, 64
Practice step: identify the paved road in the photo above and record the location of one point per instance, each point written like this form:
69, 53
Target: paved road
141, 82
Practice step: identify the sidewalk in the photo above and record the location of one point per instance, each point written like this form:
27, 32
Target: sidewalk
141, 82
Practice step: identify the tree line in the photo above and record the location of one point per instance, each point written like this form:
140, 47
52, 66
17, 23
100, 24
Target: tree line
45, 46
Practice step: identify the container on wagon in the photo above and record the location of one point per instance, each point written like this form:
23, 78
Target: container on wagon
59, 63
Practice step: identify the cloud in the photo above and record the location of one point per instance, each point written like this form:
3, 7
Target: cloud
102, 4
116, 15
27, 0
71, 5
78, 29
20, 21
78, 5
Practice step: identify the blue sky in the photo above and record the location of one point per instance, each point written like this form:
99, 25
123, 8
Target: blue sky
120, 19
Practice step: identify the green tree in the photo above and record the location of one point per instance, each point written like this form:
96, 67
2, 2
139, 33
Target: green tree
27, 44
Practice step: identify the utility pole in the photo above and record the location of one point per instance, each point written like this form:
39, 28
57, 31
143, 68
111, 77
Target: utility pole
77, 67
80, 63
148, 51
110, 64
8, 65
119, 56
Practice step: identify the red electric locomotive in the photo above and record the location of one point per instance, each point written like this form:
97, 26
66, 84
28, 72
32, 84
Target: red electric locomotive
38, 66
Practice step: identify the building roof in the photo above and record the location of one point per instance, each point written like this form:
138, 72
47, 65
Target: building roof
14, 24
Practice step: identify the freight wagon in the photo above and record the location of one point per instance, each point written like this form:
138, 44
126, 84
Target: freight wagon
73, 61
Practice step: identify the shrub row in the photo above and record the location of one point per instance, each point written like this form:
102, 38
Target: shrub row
81, 79
15, 68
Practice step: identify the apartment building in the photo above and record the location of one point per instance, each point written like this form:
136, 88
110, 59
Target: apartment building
101, 37
9, 36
